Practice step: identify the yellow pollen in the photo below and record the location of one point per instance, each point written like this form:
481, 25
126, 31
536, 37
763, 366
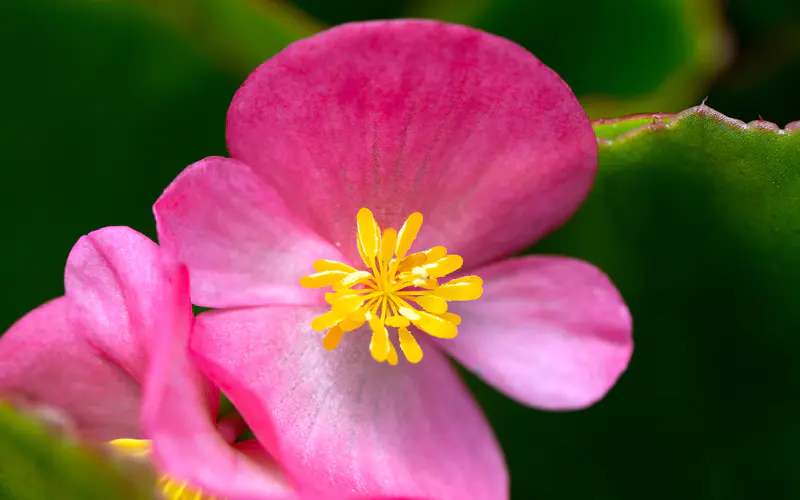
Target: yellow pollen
170, 489
395, 289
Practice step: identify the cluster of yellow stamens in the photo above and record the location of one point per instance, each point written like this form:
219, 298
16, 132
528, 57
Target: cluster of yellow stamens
170, 490
397, 289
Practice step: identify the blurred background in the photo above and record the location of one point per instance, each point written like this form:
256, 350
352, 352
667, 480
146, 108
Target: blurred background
106, 101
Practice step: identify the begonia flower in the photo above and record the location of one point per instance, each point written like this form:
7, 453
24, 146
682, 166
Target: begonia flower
112, 353
473, 150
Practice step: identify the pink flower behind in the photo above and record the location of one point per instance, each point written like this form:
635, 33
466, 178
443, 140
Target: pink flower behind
398, 117
46, 361
113, 353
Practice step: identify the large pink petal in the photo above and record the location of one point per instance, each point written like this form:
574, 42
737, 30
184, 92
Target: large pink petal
343, 422
401, 116
551, 332
241, 243
186, 443
45, 361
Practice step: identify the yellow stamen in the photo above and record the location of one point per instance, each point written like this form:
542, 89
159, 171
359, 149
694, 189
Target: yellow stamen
322, 265
462, 290
379, 347
324, 278
349, 303
409, 346
351, 279
392, 358
443, 266
354, 320
327, 320
397, 321
411, 314
452, 318
332, 298
432, 304
137, 448
368, 233
436, 326
409, 262
332, 338
387, 247
407, 234
170, 489
434, 254
395, 289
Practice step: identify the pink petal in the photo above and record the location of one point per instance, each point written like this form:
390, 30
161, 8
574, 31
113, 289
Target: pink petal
401, 116
186, 443
47, 362
551, 332
344, 423
114, 284
241, 243
116, 280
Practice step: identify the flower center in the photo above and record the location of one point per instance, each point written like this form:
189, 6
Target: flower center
396, 289
170, 489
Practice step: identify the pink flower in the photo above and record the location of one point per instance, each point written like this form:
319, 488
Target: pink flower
112, 353
399, 117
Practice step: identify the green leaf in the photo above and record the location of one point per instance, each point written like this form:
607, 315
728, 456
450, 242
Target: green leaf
698, 224
614, 127
619, 56
36, 464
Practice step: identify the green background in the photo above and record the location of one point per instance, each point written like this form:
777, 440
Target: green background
104, 102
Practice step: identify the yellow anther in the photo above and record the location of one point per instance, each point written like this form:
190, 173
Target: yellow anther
327, 320
379, 346
368, 232
332, 338
444, 266
392, 357
433, 254
358, 316
330, 298
436, 326
352, 322
411, 314
393, 265
351, 279
409, 346
396, 289
139, 448
324, 278
463, 290
409, 262
349, 303
429, 283
407, 234
466, 279
387, 246
420, 273
322, 265
432, 303
397, 321
452, 318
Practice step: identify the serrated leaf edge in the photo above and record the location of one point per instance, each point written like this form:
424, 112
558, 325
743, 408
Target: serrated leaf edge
701, 110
